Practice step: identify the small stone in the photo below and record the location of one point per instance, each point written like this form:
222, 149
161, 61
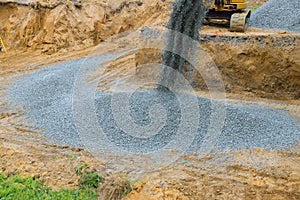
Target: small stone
77, 149
282, 32
44, 173
252, 68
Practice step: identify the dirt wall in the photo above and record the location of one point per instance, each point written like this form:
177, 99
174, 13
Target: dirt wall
53, 26
266, 65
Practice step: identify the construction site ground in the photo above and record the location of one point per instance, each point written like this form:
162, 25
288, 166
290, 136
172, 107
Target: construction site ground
259, 67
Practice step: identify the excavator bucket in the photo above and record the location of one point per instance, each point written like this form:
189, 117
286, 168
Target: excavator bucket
239, 21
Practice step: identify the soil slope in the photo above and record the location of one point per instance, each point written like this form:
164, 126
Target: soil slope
53, 26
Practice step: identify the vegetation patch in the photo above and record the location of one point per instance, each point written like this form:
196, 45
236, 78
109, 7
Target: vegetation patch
88, 178
14, 187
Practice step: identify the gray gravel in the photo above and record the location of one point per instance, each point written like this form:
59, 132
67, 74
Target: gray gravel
48, 93
278, 14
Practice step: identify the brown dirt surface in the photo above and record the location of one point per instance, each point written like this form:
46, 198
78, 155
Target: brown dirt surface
249, 174
55, 166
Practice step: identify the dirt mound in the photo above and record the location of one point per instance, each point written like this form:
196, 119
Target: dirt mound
53, 26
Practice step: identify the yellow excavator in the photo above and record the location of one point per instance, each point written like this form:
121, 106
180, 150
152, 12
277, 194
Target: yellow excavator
228, 12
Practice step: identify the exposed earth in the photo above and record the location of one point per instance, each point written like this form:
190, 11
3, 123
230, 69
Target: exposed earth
49, 42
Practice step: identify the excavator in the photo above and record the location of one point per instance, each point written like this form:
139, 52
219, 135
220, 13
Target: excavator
232, 13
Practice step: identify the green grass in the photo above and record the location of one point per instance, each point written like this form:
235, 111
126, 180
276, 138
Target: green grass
14, 187
253, 8
72, 157
88, 178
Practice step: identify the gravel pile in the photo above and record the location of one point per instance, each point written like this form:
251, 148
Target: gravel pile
48, 93
278, 14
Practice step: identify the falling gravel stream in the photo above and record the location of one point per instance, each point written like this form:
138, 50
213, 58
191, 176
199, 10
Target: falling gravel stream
185, 21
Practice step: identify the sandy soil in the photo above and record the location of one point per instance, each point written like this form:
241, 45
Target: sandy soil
62, 26
249, 174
